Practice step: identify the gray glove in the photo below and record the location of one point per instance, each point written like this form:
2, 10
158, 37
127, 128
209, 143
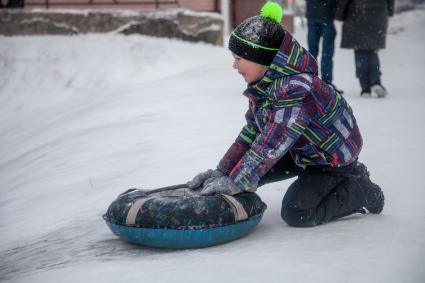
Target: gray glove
199, 179
220, 185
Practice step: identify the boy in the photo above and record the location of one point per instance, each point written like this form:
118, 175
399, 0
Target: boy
297, 125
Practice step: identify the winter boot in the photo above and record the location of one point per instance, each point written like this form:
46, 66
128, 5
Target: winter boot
365, 93
374, 199
379, 90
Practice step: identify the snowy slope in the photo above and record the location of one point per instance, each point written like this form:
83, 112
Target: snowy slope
83, 118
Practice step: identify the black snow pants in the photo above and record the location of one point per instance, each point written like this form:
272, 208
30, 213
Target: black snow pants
320, 193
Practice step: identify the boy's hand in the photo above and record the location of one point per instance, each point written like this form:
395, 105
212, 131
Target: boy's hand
200, 178
220, 185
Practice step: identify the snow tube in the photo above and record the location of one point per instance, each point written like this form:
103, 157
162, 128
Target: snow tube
174, 219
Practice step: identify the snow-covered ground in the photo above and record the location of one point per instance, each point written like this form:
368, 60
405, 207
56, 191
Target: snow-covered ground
83, 118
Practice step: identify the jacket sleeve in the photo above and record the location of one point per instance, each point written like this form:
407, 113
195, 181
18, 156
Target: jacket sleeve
341, 9
287, 121
390, 5
241, 145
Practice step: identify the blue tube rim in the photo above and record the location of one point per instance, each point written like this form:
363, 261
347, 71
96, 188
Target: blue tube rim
259, 215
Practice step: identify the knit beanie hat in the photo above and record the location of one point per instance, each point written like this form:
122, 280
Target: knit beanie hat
258, 38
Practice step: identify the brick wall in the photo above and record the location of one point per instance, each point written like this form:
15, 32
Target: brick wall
197, 5
239, 9
194, 27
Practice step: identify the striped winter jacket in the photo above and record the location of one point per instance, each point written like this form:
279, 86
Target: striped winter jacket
292, 110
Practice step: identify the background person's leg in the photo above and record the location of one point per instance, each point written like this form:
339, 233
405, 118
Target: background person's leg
374, 68
375, 75
313, 37
328, 49
362, 69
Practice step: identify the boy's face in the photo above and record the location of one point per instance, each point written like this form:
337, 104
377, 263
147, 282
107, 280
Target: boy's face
250, 71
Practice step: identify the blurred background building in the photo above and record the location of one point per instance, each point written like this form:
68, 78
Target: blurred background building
234, 11
26, 17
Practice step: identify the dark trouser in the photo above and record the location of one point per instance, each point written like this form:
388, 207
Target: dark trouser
320, 193
327, 31
367, 68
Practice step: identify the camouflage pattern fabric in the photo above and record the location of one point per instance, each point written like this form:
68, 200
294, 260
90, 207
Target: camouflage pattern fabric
175, 211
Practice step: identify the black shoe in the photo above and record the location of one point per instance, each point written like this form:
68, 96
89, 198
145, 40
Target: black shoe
374, 199
366, 93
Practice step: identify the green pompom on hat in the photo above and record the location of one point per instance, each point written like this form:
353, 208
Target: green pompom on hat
273, 11
258, 38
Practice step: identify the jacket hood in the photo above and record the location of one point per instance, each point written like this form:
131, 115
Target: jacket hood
291, 59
